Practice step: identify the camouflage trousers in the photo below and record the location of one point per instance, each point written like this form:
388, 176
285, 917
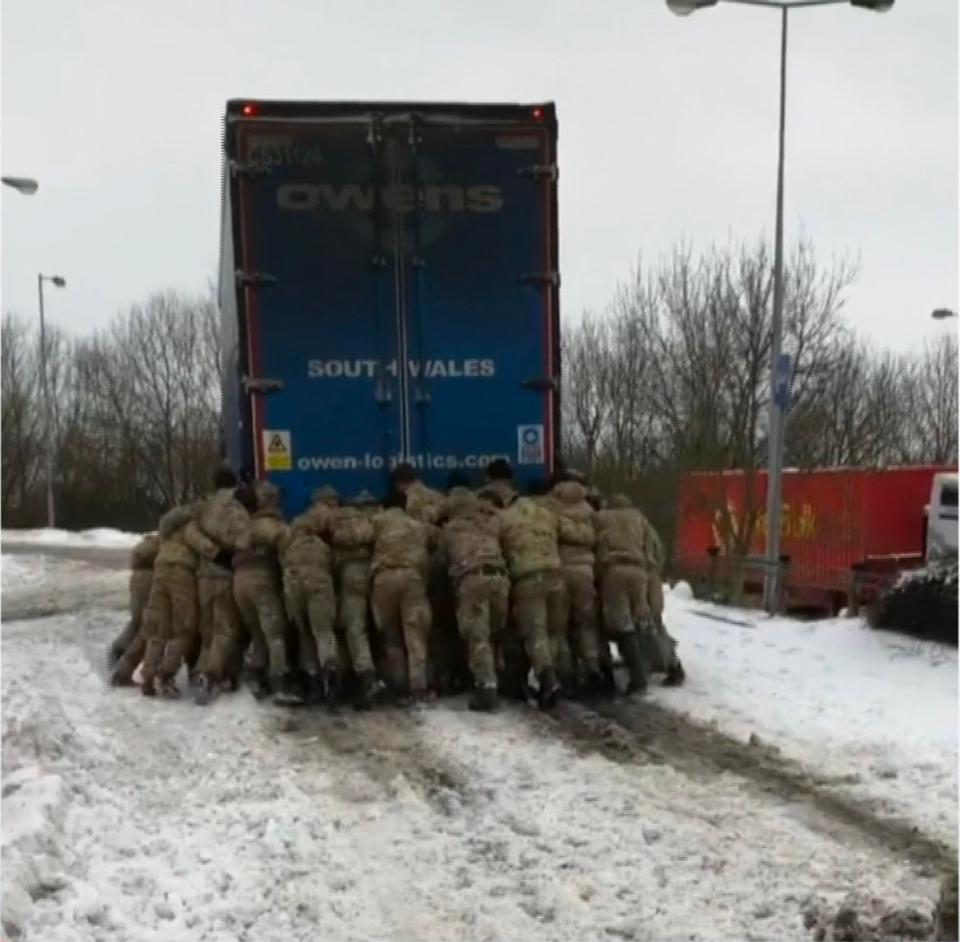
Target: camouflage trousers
257, 596
538, 610
402, 614
219, 626
132, 641
448, 658
483, 603
579, 614
623, 591
170, 623
311, 606
353, 578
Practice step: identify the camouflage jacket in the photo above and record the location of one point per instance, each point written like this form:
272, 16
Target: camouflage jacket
267, 533
470, 540
577, 536
400, 542
225, 521
351, 533
424, 503
182, 542
304, 545
503, 489
621, 535
529, 536
145, 552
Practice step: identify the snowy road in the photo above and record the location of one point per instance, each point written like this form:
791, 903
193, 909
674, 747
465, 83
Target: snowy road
126, 818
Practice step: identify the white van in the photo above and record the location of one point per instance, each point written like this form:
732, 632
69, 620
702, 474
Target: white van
942, 517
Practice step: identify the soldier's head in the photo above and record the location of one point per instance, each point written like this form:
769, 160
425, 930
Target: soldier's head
326, 495
224, 477
619, 502
459, 500
569, 492
499, 470
490, 496
402, 476
568, 475
267, 494
456, 479
246, 496
595, 498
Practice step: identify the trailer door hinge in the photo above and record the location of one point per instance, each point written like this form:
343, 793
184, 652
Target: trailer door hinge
261, 385
540, 171
253, 169
541, 278
255, 279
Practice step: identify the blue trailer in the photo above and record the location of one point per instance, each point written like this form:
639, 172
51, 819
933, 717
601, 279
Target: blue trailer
388, 291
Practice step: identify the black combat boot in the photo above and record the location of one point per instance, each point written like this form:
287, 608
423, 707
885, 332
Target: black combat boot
632, 655
483, 699
676, 675
285, 691
203, 691
148, 688
314, 688
331, 685
549, 692
369, 689
168, 688
259, 685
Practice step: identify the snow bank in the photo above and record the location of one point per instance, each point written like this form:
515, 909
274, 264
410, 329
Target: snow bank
32, 811
878, 708
104, 537
681, 591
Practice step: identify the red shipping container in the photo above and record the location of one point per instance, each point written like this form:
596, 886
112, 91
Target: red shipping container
832, 520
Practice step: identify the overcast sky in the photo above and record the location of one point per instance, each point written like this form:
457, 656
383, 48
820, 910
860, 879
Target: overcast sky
667, 131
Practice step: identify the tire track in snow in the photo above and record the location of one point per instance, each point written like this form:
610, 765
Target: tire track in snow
637, 731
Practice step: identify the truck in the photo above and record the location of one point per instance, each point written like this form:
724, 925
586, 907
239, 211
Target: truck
846, 533
388, 292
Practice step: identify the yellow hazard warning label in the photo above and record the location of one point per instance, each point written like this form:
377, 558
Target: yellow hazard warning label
276, 449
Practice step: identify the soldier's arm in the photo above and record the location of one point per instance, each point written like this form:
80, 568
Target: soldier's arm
199, 542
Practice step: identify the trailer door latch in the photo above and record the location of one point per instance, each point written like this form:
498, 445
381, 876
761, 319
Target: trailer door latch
539, 384
541, 278
540, 172
261, 385
255, 279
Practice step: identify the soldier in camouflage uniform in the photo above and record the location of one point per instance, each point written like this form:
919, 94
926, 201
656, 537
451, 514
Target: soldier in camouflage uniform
447, 661
661, 646
351, 535
577, 539
171, 616
226, 522
127, 650
470, 545
401, 611
309, 595
529, 538
622, 574
258, 594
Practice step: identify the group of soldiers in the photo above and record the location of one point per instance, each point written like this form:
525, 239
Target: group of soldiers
424, 594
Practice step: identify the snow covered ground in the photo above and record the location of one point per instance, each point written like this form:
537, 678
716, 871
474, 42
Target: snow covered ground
127, 818
100, 537
873, 708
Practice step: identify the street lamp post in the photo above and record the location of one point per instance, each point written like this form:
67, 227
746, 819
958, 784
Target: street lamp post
778, 400
48, 440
